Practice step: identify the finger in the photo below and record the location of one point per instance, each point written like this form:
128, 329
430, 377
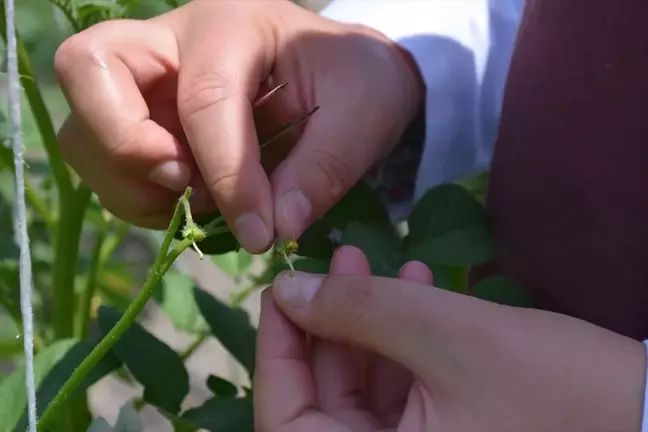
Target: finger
339, 370
336, 147
284, 396
126, 196
283, 384
318, 171
416, 271
216, 89
104, 86
388, 383
410, 323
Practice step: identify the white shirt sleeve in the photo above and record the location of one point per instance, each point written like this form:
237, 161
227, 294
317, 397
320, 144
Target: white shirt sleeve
463, 50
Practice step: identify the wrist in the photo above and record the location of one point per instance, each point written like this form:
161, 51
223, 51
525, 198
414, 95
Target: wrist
621, 406
410, 79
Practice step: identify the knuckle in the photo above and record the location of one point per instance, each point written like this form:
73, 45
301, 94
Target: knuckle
123, 147
224, 182
201, 92
336, 173
81, 50
69, 52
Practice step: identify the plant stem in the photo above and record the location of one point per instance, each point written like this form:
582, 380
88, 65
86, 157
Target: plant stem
239, 297
41, 115
114, 240
105, 244
83, 315
197, 343
39, 205
66, 253
162, 261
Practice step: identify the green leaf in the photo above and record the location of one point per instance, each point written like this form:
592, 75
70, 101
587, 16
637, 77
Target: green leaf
60, 373
127, 421
177, 300
460, 248
13, 398
316, 242
215, 244
179, 424
231, 327
113, 297
100, 425
223, 415
448, 228
153, 363
308, 265
502, 290
221, 387
442, 210
10, 288
233, 263
476, 185
379, 244
450, 278
11, 343
360, 204
244, 261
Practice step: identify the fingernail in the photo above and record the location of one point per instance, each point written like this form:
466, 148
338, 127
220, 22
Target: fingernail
298, 290
172, 175
294, 210
251, 231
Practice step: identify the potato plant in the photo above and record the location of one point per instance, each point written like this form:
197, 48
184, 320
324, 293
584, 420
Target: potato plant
77, 344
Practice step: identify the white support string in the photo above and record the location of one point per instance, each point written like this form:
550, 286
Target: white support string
20, 213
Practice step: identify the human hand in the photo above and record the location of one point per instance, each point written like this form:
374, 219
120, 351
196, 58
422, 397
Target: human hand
161, 104
475, 366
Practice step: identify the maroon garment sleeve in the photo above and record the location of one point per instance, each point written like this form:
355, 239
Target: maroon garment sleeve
568, 192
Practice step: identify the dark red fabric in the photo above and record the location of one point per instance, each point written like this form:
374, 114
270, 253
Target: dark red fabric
568, 192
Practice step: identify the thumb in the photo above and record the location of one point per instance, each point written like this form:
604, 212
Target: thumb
410, 323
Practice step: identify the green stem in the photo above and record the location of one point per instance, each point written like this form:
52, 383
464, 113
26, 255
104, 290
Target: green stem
113, 241
41, 115
83, 316
175, 253
191, 349
162, 261
66, 253
39, 205
75, 416
105, 246
239, 297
